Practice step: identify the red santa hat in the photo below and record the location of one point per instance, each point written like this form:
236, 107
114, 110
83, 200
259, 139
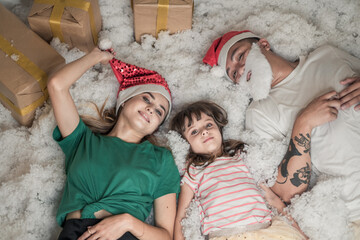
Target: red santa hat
135, 80
217, 53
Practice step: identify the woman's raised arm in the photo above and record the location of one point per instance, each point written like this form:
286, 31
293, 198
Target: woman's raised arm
65, 111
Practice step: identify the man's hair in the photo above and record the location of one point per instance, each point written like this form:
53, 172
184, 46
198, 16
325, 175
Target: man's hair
252, 39
219, 115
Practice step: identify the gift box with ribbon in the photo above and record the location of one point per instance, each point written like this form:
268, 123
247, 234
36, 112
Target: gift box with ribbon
26, 60
75, 22
153, 16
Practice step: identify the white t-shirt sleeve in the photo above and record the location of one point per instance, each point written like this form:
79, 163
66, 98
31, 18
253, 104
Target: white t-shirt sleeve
262, 125
350, 60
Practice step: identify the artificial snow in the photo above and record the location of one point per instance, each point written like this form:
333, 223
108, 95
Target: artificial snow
32, 164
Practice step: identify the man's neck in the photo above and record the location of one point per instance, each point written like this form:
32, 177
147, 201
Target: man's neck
281, 68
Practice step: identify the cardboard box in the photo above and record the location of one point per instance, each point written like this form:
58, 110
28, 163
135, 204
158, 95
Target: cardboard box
26, 61
152, 16
75, 22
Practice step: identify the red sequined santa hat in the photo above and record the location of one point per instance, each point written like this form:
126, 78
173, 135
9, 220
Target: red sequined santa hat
135, 80
217, 53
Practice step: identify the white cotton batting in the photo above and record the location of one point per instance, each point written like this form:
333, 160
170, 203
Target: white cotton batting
180, 148
105, 44
30, 158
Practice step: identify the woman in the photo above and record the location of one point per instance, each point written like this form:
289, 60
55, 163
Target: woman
116, 177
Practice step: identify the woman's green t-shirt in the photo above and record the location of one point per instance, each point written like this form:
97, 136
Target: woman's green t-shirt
107, 173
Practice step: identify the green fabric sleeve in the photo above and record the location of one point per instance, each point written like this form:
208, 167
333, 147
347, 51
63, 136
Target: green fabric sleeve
170, 181
70, 143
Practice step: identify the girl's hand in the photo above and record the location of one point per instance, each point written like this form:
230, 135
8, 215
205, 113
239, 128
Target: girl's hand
110, 228
273, 199
276, 202
321, 110
350, 96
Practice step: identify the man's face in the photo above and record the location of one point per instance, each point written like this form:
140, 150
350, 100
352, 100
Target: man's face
247, 65
236, 58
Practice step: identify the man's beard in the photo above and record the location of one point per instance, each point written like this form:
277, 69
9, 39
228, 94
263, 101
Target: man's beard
259, 70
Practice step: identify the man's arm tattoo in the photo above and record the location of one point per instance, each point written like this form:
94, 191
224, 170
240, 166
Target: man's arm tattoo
292, 151
304, 142
302, 175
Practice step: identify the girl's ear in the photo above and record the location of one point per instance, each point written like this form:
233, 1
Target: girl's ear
263, 43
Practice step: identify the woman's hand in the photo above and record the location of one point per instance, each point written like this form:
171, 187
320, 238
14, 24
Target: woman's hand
350, 96
321, 110
104, 56
110, 228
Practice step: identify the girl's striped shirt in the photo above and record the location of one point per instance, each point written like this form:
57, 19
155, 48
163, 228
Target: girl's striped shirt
227, 195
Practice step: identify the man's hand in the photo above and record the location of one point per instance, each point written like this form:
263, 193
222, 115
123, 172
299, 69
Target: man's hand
350, 96
321, 110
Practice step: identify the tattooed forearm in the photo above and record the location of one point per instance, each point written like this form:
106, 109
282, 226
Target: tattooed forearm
304, 142
301, 176
292, 151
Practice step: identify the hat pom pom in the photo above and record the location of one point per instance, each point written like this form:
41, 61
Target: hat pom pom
105, 44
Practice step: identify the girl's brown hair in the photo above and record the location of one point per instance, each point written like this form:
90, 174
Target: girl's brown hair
105, 121
219, 115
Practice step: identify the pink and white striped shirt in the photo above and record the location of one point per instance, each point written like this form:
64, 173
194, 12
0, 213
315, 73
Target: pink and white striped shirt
227, 195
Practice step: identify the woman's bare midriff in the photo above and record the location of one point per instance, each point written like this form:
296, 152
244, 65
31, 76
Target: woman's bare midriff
77, 214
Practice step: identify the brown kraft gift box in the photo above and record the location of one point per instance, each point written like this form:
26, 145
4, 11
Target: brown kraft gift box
153, 16
75, 22
26, 61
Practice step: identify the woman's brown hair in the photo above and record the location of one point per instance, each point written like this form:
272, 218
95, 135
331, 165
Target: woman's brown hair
105, 121
219, 115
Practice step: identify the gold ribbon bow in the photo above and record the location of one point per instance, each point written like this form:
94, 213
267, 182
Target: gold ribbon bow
57, 12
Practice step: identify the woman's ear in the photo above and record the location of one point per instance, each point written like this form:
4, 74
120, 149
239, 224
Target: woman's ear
263, 43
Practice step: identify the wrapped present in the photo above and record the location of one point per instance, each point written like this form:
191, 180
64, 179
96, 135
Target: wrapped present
26, 60
75, 22
153, 16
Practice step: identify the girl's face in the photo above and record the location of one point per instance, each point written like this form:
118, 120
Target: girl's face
145, 112
203, 135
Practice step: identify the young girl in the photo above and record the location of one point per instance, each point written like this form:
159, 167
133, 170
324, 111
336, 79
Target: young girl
115, 178
230, 203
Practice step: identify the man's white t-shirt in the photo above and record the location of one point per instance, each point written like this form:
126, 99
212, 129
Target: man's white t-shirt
335, 146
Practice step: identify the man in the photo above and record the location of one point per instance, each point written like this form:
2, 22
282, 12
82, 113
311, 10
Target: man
281, 89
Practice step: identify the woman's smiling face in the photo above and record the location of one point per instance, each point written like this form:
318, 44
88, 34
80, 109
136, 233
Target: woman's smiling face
145, 112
